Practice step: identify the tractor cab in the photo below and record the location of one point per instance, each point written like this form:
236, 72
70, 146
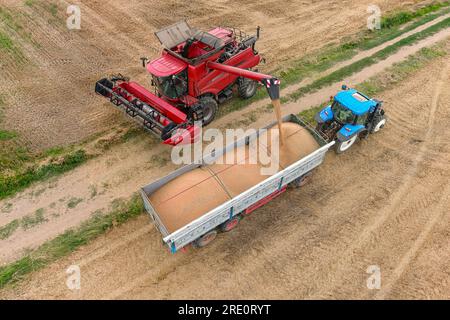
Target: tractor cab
351, 107
351, 114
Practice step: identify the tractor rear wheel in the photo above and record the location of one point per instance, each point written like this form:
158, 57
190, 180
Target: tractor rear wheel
205, 239
209, 109
342, 146
247, 88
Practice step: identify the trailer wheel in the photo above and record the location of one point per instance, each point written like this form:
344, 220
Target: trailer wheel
229, 225
205, 239
247, 88
209, 109
302, 181
342, 146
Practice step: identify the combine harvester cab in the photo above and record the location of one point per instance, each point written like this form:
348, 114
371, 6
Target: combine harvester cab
190, 78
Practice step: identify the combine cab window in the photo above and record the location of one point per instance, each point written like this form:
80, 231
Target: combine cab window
173, 86
342, 114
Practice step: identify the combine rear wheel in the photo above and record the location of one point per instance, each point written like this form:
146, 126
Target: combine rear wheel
205, 239
209, 109
247, 88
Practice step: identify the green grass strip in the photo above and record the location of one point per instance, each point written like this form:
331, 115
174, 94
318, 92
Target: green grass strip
403, 17
70, 240
7, 135
330, 56
10, 185
363, 63
389, 78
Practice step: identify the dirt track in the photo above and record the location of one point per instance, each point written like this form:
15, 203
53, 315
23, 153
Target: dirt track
384, 203
51, 98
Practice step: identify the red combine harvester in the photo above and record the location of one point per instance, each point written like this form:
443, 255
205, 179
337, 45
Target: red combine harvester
195, 73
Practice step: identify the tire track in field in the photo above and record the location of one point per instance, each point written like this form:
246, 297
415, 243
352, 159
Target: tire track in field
396, 199
407, 259
440, 211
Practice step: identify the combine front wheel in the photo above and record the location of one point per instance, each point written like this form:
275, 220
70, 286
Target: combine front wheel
209, 109
247, 88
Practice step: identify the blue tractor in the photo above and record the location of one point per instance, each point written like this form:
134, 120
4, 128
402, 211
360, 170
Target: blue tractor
350, 115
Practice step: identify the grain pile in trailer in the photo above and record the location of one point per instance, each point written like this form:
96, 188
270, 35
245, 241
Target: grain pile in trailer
298, 143
188, 197
197, 192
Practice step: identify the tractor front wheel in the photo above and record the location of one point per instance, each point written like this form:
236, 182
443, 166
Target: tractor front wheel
209, 109
379, 123
342, 146
247, 88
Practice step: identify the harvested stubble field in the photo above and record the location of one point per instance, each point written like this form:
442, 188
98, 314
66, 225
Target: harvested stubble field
384, 203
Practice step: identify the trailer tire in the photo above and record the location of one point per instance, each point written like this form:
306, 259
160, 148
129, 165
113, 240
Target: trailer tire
302, 181
378, 124
205, 239
166, 132
209, 109
247, 88
230, 224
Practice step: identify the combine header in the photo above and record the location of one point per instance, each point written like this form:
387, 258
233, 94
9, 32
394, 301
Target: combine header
196, 72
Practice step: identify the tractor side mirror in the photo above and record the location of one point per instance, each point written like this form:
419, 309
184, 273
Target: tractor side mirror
344, 87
